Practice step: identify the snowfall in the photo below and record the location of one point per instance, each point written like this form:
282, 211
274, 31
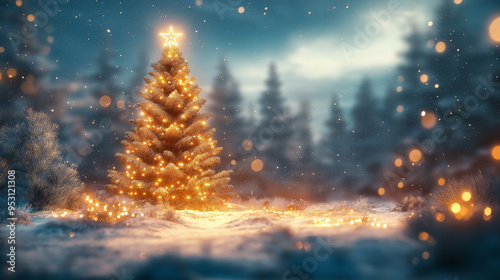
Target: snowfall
358, 239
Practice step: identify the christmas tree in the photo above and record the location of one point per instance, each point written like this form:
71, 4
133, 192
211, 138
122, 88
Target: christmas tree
171, 152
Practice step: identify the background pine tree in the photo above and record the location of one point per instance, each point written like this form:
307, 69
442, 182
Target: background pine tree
225, 104
171, 152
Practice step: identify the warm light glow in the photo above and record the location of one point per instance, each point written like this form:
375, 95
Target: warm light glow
257, 165
424, 78
439, 217
487, 211
426, 255
428, 120
430, 23
441, 181
105, 101
11, 72
494, 30
2, 49
120, 104
400, 108
247, 145
381, 191
455, 208
398, 162
415, 155
495, 152
401, 185
457, 1
424, 236
19, 3
30, 18
171, 37
466, 196
399, 89
241, 10
440, 47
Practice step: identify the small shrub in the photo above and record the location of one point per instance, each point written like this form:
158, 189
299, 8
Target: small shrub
483, 190
30, 148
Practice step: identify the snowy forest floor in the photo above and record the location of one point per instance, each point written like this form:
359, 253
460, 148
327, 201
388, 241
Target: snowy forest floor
348, 240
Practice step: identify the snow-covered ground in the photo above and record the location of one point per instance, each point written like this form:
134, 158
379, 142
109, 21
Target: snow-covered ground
325, 241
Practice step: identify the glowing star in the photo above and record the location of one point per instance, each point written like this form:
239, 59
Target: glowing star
170, 36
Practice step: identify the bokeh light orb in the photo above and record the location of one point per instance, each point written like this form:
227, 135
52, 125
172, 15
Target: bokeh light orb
415, 155
428, 120
455, 208
257, 165
494, 30
105, 101
440, 47
495, 152
466, 196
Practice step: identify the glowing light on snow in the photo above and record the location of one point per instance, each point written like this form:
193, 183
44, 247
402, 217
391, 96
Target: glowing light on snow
415, 155
495, 152
171, 37
430, 23
487, 211
105, 101
436, 86
466, 196
494, 30
440, 47
458, 2
441, 181
428, 120
424, 78
398, 162
257, 165
241, 10
455, 208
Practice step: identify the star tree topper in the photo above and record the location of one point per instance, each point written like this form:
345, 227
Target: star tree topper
170, 36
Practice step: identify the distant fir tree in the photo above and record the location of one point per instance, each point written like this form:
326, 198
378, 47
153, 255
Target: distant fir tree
364, 147
274, 126
334, 142
103, 114
30, 148
414, 96
226, 107
303, 144
25, 67
171, 152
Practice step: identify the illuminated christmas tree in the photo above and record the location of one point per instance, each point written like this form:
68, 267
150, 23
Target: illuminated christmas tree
171, 152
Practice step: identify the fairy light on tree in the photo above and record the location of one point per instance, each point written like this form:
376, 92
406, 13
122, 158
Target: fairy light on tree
171, 152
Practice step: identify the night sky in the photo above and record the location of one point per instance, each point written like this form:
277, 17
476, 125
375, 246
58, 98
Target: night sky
304, 39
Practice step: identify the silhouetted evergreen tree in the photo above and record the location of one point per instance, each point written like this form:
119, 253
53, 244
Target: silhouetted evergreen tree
226, 108
274, 129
